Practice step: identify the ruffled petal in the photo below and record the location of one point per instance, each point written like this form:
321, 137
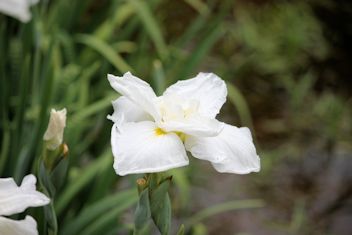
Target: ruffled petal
207, 88
127, 111
14, 199
137, 91
180, 114
232, 151
28, 226
194, 125
144, 148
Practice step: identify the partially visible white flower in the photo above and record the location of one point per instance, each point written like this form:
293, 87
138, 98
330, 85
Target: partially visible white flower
19, 9
13, 200
55, 131
152, 134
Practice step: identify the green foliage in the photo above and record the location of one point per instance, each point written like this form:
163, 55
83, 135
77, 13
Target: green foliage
61, 59
90, 218
181, 231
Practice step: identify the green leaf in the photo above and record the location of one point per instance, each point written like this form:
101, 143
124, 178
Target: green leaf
105, 50
108, 219
240, 103
159, 82
198, 54
122, 13
181, 230
223, 207
161, 207
90, 110
198, 5
142, 214
151, 26
86, 176
91, 213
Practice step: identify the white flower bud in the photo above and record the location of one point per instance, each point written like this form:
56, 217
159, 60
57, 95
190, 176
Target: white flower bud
55, 131
19, 9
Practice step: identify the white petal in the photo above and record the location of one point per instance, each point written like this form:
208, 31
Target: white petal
28, 226
195, 125
142, 148
18, 9
232, 151
207, 88
136, 90
127, 111
14, 199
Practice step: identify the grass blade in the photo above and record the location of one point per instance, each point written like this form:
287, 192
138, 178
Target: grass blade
105, 50
151, 26
224, 207
84, 178
240, 103
121, 199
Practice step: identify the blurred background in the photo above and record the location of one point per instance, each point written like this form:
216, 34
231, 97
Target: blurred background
288, 69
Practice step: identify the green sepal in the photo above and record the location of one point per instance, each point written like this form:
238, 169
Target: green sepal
52, 158
153, 180
58, 174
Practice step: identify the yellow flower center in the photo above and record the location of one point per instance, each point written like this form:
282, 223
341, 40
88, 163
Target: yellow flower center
159, 131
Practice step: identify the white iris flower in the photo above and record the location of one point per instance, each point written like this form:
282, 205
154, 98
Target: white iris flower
152, 134
13, 200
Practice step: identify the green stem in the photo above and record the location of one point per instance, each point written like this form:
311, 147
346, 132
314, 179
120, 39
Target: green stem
53, 229
50, 224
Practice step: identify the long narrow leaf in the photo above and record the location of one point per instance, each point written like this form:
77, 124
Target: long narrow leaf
224, 207
151, 26
84, 178
240, 103
96, 210
105, 50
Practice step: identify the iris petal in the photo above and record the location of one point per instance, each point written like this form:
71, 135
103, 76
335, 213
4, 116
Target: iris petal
127, 111
28, 226
142, 147
207, 88
14, 199
195, 125
232, 151
137, 91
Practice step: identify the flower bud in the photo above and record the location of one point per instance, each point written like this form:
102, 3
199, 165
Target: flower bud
54, 133
141, 184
